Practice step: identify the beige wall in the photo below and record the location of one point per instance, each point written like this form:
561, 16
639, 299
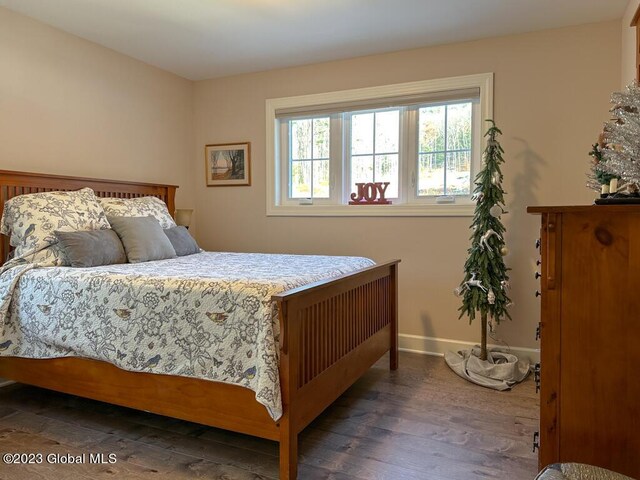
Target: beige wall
69, 106
629, 44
550, 102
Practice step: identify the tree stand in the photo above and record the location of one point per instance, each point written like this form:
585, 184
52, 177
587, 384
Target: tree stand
493, 368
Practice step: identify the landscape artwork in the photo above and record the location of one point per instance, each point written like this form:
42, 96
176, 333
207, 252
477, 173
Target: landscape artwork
228, 164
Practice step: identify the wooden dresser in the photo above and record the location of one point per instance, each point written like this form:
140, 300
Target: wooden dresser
590, 336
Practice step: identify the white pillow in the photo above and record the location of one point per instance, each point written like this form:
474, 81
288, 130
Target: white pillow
30, 220
138, 207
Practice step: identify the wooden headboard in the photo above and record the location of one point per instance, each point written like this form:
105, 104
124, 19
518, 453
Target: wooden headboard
19, 183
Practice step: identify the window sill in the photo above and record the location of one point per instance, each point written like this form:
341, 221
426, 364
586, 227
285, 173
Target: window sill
399, 210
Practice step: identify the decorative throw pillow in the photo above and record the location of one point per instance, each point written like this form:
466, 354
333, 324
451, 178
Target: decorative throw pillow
143, 238
182, 241
138, 207
92, 248
30, 220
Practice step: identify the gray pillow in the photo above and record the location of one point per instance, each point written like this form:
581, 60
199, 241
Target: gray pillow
182, 241
91, 248
143, 238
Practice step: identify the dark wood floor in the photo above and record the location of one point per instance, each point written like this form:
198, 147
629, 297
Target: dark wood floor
419, 423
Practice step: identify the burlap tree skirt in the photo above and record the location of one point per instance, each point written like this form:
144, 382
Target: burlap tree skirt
500, 371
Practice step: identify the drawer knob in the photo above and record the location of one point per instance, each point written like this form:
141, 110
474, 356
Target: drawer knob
536, 441
538, 262
538, 275
538, 243
538, 331
538, 294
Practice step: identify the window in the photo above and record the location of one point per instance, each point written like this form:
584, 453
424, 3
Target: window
423, 138
444, 149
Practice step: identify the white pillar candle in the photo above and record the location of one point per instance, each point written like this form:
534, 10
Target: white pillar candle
613, 185
605, 189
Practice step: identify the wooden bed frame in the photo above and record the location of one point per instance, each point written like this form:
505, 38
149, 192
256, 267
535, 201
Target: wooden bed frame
332, 331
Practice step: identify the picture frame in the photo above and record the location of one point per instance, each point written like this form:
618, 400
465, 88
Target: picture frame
228, 164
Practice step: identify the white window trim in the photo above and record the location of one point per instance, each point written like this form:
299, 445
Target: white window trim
275, 206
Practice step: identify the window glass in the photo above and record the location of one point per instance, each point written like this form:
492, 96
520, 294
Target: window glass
309, 165
444, 149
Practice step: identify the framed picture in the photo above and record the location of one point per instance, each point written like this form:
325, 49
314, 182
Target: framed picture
228, 164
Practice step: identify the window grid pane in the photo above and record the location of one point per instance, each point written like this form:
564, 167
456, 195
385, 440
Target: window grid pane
361, 169
362, 127
386, 170
309, 158
321, 138
320, 179
444, 150
430, 177
458, 172
301, 134
300, 179
375, 139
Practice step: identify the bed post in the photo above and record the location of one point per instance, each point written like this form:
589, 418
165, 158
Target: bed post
170, 199
288, 450
393, 295
288, 373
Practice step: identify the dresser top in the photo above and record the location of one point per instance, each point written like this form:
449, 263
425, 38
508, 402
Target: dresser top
585, 209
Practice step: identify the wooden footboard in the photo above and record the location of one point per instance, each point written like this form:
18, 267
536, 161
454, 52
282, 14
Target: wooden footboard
331, 332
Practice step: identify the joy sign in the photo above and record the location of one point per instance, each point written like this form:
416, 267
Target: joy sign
370, 194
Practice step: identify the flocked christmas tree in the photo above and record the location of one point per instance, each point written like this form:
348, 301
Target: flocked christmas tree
621, 155
484, 290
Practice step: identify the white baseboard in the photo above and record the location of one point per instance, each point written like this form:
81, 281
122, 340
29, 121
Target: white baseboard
437, 346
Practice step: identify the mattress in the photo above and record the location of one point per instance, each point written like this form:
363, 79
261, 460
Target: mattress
206, 316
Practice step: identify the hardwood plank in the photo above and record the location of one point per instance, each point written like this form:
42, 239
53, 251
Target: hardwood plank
420, 422
117, 423
154, 432
20, 441
54, 430
5, 411
408, 461
134, 459
456, 421
483, 401
213, 451
170, 464
430, 450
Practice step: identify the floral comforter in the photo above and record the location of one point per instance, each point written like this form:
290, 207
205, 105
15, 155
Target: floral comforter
207, 315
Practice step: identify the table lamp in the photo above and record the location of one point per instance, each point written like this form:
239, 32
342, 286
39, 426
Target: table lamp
183, 216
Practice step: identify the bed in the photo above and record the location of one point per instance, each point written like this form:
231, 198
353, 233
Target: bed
331, 332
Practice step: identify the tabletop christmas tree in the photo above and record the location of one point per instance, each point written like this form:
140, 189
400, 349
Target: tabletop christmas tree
621, 154
484, 290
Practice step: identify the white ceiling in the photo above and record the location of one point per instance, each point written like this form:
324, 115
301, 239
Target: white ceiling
200, 39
